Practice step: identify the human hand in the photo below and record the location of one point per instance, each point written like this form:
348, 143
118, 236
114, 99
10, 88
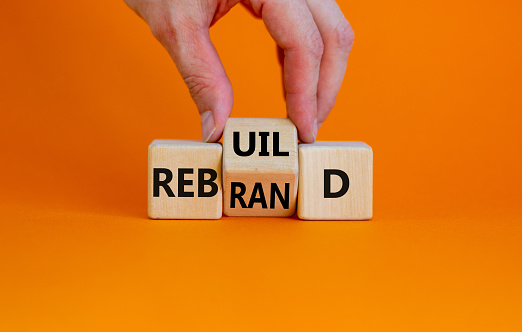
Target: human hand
314, 40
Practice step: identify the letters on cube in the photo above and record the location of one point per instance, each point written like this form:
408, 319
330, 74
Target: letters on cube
260, 167
185, 180
260, 171
335, 181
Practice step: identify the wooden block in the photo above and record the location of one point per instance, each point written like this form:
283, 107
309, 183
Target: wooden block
335, 181
184, 180
260, 167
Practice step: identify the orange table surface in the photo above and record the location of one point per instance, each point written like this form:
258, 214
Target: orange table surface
433, 87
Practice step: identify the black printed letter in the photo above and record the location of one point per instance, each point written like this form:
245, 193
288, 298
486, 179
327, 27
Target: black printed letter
257, 188
264, 143
156, 183
285, 201
210, 182
239, 196
182, 182
327, 179
276, 146
251, 144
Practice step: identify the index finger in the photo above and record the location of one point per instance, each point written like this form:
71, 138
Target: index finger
292, 26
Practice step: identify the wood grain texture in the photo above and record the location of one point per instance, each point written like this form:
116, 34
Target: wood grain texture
355, 159
175, 155
267, 170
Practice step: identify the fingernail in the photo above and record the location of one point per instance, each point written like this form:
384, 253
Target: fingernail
315, 130
208, 126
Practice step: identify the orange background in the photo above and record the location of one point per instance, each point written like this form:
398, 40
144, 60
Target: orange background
433, 86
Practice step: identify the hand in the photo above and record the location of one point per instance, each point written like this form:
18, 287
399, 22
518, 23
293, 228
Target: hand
314, 38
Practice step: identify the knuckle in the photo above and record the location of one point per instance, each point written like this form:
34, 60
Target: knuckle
199, 85
166, 25
343, 35
315, 44
173, 29
163, 29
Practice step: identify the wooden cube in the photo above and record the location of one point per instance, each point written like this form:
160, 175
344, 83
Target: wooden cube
260, 167
184, 180
335, 181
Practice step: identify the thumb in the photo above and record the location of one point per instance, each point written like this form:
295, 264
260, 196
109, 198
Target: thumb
198, 63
